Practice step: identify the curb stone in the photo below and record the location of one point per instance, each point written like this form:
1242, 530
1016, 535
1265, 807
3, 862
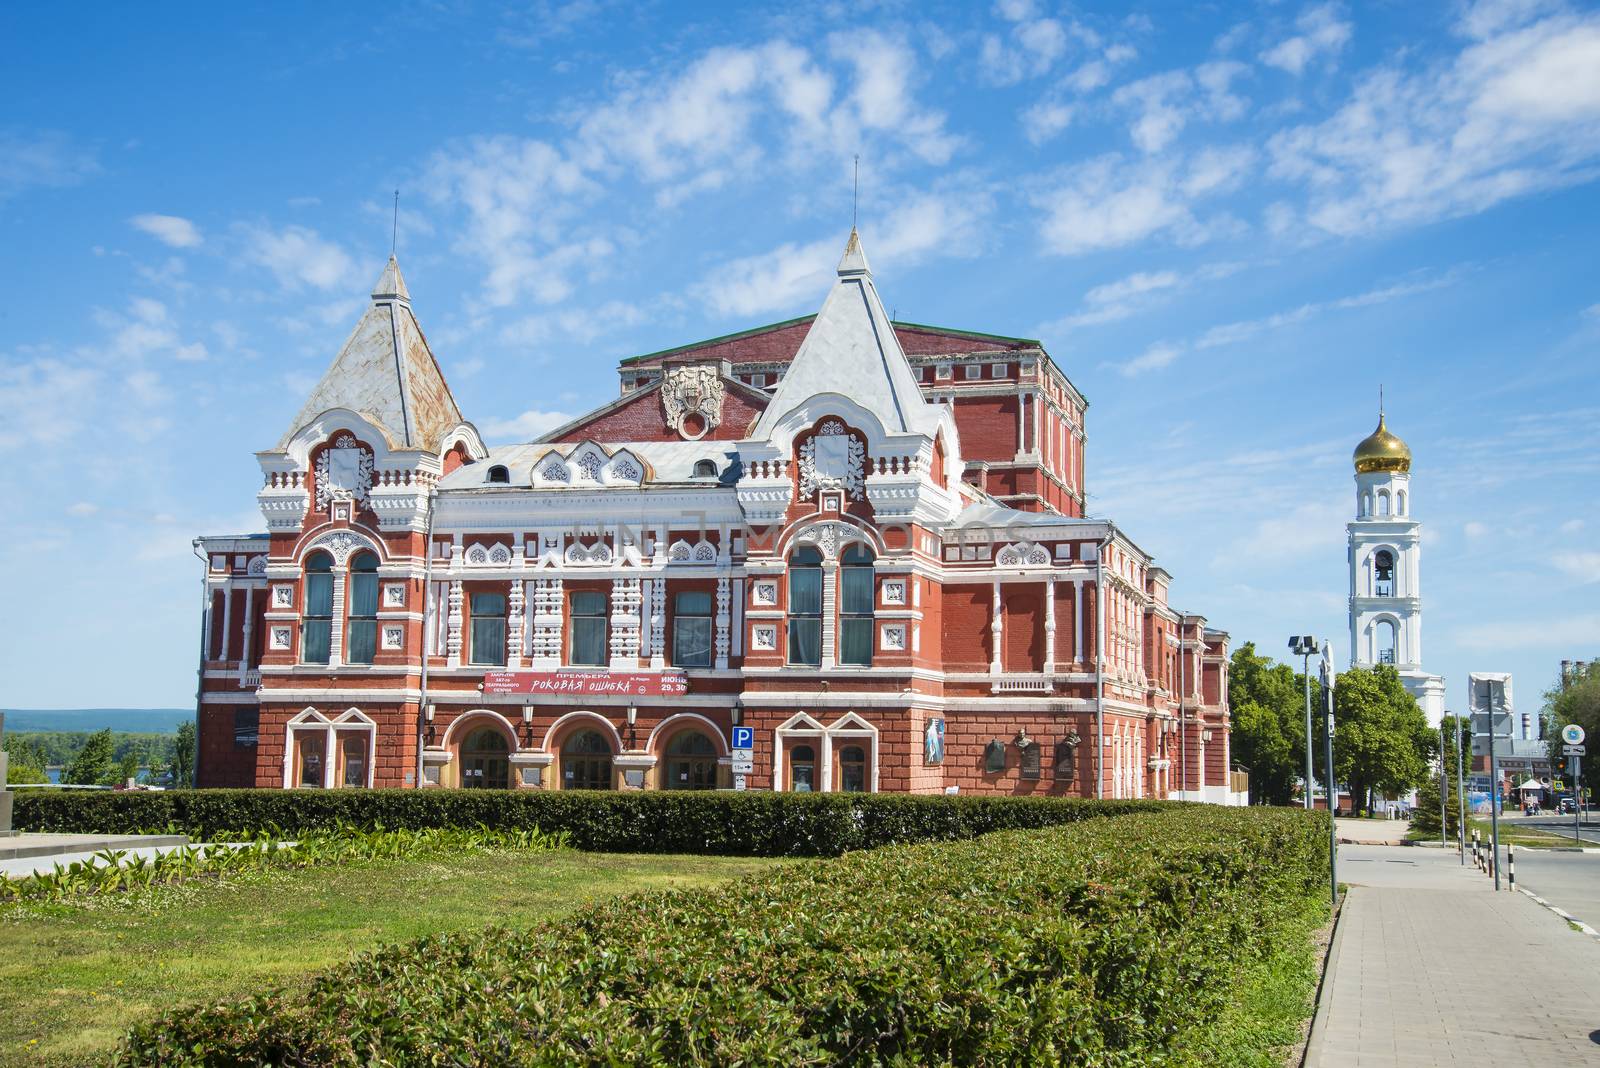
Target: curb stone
1563, 913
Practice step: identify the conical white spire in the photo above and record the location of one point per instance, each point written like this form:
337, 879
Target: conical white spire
391, 285
851, 350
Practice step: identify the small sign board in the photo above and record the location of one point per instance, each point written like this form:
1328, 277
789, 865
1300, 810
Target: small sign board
745, 738
1500, 722
1574, 750
739, 782
1572, 734
746, 755
744, 767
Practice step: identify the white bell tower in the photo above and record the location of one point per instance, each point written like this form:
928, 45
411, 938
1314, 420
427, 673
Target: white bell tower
1385, 578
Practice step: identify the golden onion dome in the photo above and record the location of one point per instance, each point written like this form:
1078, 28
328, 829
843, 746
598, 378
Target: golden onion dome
1382, 451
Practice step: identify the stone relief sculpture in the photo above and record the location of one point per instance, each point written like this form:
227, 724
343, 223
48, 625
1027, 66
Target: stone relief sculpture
692, 391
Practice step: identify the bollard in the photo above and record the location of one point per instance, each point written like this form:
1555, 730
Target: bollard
1477, 855
1511, 866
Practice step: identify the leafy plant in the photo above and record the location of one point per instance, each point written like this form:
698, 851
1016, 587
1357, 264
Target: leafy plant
1115, 941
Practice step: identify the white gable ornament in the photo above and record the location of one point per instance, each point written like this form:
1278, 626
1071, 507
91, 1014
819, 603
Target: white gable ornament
344, 472
1022, 554
689, 391
833, 459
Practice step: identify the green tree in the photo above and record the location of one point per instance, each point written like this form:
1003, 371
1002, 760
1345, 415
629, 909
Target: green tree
26, 761
1382, 741
183, 751
95, 764
1426, 817
1268, 734
1575, 700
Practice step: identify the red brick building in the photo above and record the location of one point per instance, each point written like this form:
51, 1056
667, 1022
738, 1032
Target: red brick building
863, 540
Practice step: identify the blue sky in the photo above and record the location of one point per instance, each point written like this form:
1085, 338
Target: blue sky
1229, 224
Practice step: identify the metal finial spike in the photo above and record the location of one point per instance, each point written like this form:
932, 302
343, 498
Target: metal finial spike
394, 228
855, 191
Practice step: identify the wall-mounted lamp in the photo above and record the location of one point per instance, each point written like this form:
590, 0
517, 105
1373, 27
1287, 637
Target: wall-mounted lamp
428, 714
527, 723
633, 717
738, 713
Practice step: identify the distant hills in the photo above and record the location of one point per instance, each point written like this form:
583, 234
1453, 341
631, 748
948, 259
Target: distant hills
136, 720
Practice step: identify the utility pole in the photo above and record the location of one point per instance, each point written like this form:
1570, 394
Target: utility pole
1327, 741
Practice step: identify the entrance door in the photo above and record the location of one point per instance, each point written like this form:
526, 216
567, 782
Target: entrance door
484, 761
586, 762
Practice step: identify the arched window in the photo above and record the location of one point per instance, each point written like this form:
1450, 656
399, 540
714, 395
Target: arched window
805, 607
361, 636
586, 761
498, 473
705, 469
802, 769
313, 751
586, 639
488, 629
857, 592
691, 762
1385, 642
1383, 502
484, 761
316, 615
853, 769
691, 628
1400, 502
1383, 573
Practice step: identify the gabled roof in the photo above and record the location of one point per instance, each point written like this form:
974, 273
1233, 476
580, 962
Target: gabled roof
851, 349
777, 343
387, 373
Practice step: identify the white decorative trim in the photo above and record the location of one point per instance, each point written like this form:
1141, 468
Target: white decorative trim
342, 544
843, 472
257, 566
1022, 554
701, 552
281, 638
696, 390
394, 637
326, 490
283, 596
394, 595
892, 637
764, 593
894, 591
764, 638
673, 721
497, 555
596, 555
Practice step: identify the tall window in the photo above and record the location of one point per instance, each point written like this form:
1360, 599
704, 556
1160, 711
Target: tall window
312, 751
1383, 574
802, 769
691, 629
361, 642
857, 591
691, 762
805, 607
587, 639
316, 618
488, 628
853, 769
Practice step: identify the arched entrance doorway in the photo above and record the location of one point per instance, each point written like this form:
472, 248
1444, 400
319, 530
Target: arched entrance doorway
586, 761
485, 761
691, 762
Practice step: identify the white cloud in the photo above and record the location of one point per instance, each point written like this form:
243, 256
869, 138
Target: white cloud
297, 256
1154, 358
1571, 526
1474, 529
1164, 103
83, 508
1323, 32
42, 401
41, 161
1045, 119
1243, 330
525, 427
1516, 113
1031, 49
1582, 567
1109, 202
168, 229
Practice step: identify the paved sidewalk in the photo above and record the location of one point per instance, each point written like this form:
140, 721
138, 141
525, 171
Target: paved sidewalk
1365, 832
1407, 974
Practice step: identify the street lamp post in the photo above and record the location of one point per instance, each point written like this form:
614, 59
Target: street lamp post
1305, 646
1327, 741
1461, 793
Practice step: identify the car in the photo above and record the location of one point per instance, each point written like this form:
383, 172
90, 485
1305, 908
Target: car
1567, 806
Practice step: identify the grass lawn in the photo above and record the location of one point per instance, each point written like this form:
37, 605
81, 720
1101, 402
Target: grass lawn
73, 977
1511, 833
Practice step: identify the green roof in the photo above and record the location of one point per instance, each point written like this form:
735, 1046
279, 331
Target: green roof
807, 318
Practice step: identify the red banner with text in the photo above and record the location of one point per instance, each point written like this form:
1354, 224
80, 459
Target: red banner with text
586, 683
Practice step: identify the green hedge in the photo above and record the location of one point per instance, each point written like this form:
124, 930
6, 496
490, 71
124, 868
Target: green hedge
1115, 942
724, 822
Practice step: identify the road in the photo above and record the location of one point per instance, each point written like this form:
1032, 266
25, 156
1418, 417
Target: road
1570, 880
1562, 825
